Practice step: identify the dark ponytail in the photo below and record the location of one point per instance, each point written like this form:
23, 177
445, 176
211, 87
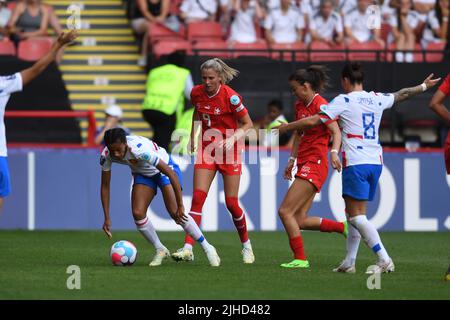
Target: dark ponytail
315, 75
353, 72
115, 135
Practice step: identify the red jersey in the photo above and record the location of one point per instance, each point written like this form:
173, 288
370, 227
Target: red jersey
219, 112
445, 86
314, 142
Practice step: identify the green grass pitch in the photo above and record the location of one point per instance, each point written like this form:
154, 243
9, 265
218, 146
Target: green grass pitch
33, 266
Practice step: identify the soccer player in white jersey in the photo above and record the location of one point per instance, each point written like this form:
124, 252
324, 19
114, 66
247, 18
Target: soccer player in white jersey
152, 167
14, 83
359, 113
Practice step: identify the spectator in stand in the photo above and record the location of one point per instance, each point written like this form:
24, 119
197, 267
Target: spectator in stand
345, 6
113, 119
146, 12
29, 19
198, 10
436, 25
272, 119
53, 20
284, 25
5, 15
356, 28
327, 25
403, 24
423, 7
247, 13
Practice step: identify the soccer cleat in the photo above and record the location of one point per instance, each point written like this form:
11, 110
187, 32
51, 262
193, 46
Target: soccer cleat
160, 255
345, 233
183, 255
296, 263
247, 255
345, 268
381, 267
213, 257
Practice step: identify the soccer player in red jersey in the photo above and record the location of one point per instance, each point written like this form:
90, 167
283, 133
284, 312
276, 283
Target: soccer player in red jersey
224, 121
437, 104
310, 149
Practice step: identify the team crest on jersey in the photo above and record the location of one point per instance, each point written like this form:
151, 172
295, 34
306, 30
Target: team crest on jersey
217, 110
145, 156
234, 99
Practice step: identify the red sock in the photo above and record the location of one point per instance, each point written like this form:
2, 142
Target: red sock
297, 247
238, 217
331, 226
198, 199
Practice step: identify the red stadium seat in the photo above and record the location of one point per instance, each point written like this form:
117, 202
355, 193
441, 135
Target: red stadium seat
175, 7
33, 49
288, 55
371, 48
204, 30
435, 57
7, 48
11, 5
385, 30
220, 45
256, 49
167, 47
159, 32
417, 56
326, 56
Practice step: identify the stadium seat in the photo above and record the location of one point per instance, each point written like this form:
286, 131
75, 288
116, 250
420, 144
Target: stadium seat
256, 49
33, 49
326, 56
12, 5
417, 56
175, 7
435, 57
167, 47
7, 48
204, 30
290, 53
159, 32
370, 48
220, 45
385, 30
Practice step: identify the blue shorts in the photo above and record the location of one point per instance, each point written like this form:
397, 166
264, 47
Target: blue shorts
5, 181
159, 180
360, 181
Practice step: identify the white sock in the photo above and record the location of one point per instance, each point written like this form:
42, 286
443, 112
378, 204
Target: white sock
353, 239
146, 228
399, 56
370, 236
247, 244
194, 231
409, 57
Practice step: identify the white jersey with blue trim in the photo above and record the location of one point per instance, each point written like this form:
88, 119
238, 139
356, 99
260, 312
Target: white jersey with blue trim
142, 156
8, 84
359, 114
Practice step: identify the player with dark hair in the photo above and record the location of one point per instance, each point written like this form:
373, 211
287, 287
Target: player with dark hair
14, 83
359, 113
310, 150
225, 121
152, 167
437, 105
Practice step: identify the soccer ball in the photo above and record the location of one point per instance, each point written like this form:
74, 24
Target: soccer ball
123, 253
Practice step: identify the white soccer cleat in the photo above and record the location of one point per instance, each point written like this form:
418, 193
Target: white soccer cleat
381, 267
183, 255
160, 255
345, 268
247, 255
212, 256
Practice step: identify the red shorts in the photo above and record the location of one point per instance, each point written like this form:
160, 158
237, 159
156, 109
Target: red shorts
447, 153
314, 172
230, 166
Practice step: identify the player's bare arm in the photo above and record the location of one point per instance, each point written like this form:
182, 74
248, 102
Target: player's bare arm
165, 169
336, 145
406, 93
302, 124
105, 196
437, 105
37, 68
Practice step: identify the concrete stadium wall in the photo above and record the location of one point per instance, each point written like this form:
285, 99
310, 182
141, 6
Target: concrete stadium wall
60, 189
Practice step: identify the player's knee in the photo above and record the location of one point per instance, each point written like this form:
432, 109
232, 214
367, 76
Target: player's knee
283, 212
232, 204
139, 214
198, 200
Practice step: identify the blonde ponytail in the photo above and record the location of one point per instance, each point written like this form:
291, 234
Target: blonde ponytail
226, 73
